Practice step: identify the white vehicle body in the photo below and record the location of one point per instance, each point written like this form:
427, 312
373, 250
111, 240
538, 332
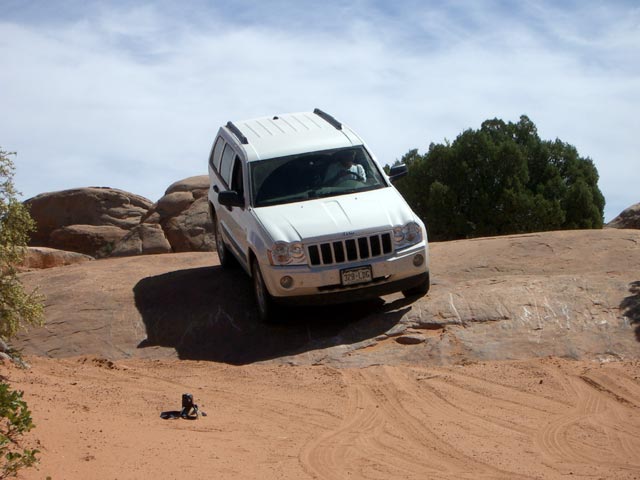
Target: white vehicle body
305, 238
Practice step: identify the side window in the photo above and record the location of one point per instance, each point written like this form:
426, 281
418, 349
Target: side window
216, 154
236, 178
225, 165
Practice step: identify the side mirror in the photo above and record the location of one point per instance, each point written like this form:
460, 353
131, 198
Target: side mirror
397, 171
231, 198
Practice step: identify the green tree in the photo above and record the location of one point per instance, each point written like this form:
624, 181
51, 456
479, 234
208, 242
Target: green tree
502, 179
17, 308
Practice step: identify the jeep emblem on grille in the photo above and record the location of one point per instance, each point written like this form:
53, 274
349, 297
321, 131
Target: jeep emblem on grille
348, 234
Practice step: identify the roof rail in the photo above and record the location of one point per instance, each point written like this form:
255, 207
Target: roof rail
328, 118
236, 131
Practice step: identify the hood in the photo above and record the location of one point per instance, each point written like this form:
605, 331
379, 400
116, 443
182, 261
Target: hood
370, 211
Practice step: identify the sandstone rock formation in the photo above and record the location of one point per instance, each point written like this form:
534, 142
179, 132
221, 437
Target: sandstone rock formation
511, 297
101, 222
86, 220
94, 240
629, 218
142, 239
183, 213
44, 257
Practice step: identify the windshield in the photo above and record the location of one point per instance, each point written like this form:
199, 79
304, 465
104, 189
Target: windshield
313, 175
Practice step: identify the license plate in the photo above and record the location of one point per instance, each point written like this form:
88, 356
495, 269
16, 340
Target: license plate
353, 276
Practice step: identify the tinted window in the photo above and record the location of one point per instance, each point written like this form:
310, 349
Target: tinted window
216, 154
225, 165
311, 175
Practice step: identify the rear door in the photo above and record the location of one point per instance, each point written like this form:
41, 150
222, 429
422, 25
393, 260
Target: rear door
230, 174
238, 217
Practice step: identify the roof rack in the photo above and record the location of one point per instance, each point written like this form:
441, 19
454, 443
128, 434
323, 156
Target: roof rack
236, 131
328, 118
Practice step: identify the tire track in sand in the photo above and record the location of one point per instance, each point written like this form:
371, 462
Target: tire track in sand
387, 434
606, 421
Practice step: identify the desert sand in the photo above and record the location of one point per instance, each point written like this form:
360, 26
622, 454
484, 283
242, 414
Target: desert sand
522, 362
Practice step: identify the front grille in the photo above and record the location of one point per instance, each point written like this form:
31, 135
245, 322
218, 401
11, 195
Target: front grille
350, 250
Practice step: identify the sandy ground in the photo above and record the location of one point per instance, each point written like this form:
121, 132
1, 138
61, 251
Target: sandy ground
543, 418
522, 362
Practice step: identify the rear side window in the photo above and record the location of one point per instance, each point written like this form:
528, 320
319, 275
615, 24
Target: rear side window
216, 154
228, 156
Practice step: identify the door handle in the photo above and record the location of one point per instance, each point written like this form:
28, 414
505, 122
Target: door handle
216, 189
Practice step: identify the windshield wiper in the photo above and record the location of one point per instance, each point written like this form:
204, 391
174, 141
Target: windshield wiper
336, 193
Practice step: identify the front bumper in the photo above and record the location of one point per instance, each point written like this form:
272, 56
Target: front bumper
373, 290
321, 285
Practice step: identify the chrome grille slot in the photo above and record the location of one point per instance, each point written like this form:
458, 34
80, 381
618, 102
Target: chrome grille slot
327, 253
375, 246
338, 252
363, 247
350, 250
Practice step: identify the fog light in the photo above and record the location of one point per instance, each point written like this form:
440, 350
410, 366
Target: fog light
418, 259
286, 281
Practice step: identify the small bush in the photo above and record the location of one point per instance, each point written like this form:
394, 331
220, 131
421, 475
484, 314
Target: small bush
15, 420
17, 309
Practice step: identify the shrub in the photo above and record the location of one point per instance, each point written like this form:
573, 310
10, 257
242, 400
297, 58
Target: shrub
15, 420
17, 309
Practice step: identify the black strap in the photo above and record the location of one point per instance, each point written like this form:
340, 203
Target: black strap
191, 414
171, 414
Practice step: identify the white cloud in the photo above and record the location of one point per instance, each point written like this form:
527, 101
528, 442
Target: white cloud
131, 97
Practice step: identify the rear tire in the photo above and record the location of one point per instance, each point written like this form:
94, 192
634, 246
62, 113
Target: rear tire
419, 290
224, 255
267, 308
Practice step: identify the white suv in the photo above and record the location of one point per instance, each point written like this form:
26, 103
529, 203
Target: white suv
301, 203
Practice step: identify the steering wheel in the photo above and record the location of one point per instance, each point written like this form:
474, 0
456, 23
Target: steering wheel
346, 175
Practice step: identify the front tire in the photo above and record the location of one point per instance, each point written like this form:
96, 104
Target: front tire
419, 290
266, 307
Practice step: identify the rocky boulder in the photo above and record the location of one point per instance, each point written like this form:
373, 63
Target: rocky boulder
198, 185
143, 239
629, 218
94, 240
100, 221
44, 257
86, 220
183, 213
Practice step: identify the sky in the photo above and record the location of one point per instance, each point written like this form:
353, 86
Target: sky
130, 94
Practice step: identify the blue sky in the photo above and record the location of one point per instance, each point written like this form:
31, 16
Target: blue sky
130, 94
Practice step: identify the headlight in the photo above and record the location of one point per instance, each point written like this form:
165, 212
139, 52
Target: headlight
406, 235
283, 253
